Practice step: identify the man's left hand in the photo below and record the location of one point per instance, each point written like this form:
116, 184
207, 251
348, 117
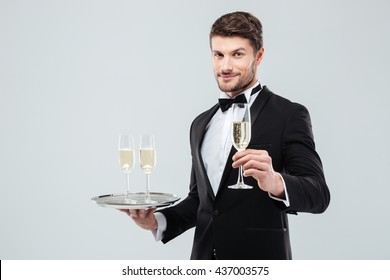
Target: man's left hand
258, 164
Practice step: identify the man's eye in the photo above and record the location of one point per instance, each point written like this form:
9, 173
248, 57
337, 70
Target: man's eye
218, 55
238, 54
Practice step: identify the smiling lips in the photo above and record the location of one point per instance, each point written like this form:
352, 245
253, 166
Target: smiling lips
227, 77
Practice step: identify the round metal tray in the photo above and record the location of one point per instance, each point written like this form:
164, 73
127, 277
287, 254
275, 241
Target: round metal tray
118, 201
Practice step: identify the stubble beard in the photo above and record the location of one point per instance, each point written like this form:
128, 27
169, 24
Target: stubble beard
240, 86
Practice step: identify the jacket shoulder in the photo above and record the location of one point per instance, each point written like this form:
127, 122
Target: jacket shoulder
282, 103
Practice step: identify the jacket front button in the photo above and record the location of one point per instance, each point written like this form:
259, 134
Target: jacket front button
216, 212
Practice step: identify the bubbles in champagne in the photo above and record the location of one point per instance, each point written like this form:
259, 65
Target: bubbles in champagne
126, 159
147, 159
241, 133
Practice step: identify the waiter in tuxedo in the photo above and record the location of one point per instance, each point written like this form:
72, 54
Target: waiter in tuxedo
281, 162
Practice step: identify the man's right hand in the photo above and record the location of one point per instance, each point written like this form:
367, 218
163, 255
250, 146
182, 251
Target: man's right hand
144, 218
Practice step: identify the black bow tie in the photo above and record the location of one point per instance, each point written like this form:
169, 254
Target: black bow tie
226, 103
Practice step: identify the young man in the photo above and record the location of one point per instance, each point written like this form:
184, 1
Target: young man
280, 162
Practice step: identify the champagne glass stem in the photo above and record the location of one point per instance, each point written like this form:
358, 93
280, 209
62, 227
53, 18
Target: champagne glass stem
147, 195
128, 185
240, 179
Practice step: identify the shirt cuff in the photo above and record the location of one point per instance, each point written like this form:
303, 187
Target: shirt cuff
161, 226
286, 201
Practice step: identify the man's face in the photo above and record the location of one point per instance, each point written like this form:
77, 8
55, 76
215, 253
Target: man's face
235, 63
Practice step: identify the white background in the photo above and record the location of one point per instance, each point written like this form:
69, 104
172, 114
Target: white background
74, 74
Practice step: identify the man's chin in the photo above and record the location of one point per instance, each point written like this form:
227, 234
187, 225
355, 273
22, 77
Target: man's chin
227, 87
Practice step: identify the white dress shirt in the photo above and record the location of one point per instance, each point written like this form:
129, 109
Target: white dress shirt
217, 138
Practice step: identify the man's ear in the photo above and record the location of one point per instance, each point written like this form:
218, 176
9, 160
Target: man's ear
259, 56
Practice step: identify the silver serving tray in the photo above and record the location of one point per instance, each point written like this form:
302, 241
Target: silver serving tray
118, 201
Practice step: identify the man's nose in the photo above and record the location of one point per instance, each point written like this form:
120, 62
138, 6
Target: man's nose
226, 65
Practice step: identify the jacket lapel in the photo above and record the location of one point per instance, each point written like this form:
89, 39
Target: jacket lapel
259, 103
198, 140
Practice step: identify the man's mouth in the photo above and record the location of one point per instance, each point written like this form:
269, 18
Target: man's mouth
227, 77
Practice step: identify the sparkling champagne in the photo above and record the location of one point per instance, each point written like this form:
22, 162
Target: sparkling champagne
147, 159
126, 159
241, 132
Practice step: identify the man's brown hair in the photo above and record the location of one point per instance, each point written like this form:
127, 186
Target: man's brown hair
240, 24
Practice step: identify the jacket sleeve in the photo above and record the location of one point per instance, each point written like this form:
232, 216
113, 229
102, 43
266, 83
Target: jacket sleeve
182, 216
303, 171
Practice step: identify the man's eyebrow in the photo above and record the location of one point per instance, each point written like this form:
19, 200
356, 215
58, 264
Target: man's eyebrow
233, 51
239, 49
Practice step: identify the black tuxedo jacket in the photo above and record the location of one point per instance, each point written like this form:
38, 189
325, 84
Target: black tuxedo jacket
249, 224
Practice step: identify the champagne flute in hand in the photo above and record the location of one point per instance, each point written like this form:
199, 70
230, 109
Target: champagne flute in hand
241, 136
126, 161
147, 159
